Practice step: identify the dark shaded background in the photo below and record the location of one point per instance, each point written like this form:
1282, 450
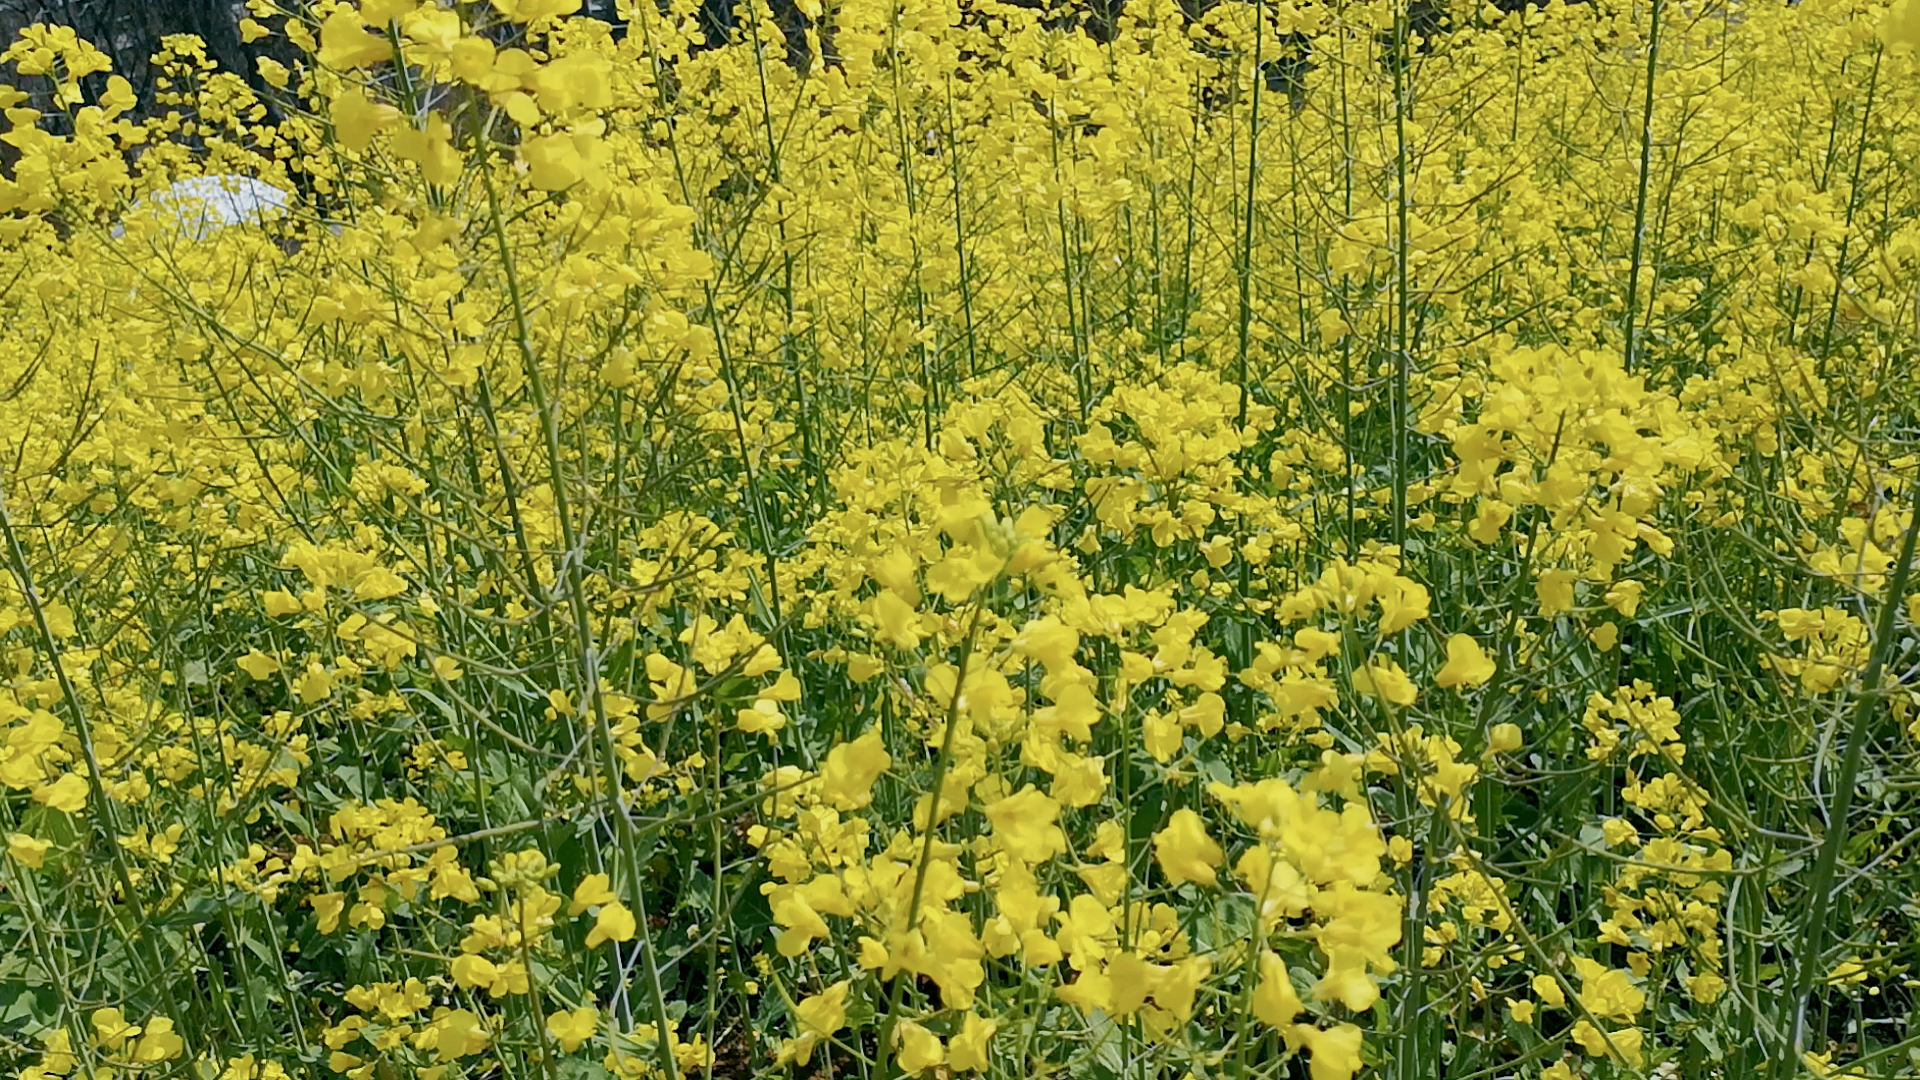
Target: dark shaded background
130, 31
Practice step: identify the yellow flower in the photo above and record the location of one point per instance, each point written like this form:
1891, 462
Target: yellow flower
279, 602
471, 59
1504, 739
1091, 991
470, 971
553, 162
1624, 597
328, 907
1402, 603
258, 665
818, 1017
1185, 851
1901, 27
1275, 1002
159, 1043
1521, 1010
1555, 591
1467, 664
570, 1029
615, 923
852, 767
356, 120
60, 619
968, 1051
1706, 987
920, 1049
1382, 678
432, 149
67, 794
898, 622
316, 685
1620, 1044
454, 1033
1334, 1053
381, 12
1607, 992
31, 851
525, 11
345, 43
111, 1029
1547, 989
1023, 826
593, 891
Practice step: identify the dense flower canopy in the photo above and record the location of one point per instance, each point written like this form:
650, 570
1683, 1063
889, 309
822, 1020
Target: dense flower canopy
940, 537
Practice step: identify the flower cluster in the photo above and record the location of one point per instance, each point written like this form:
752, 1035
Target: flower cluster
939, 537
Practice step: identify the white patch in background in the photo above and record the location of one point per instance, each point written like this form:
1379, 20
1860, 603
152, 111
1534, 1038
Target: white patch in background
200, 206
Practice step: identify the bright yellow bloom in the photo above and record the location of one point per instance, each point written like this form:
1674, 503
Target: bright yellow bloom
1275, 1001
1384, 679
1402, 603
968, 1051
1607, 992
30, 851
1023, 826
1504, 738
1620, 1044
852, 767
111, 1029
1547, 989
570, 1029
1467, 664
159, 1043
356, 120
919, 1049
472, 970
67, 794
1901, 27
615, 923
1334, 1054
818, 1017
1185, 851
594, 890
258, 664
345, 42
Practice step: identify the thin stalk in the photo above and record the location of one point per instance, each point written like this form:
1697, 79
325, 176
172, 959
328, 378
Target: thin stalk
582, 629
96, 780
940, 767
1807, 966
1853, 207
1401, 270
1640, 199
960, 233
1245, 269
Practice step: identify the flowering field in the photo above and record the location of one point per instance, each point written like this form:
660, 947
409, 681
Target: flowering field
937, 537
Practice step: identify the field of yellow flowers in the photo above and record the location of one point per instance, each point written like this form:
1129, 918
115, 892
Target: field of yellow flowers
1293, 539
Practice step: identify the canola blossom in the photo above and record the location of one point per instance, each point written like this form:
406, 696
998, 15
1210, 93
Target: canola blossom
938, 538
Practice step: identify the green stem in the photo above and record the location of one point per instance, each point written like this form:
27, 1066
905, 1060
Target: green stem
1640, 199
940, 766
586, 651
1808, 965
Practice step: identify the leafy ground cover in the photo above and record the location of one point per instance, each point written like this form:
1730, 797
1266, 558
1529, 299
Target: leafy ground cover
945, 538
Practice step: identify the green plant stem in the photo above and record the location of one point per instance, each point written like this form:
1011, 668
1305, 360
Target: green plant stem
1640, 199
1808, 963
587, 653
